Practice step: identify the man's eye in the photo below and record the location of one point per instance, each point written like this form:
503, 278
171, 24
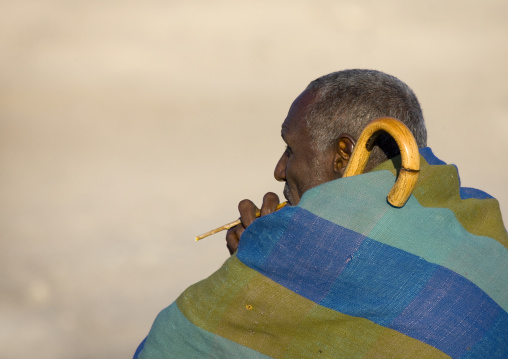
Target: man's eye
288, 150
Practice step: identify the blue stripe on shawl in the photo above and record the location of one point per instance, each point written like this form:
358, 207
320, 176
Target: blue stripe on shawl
451, 314
139, 349
468, 192
429, 156
494, 344
379, 283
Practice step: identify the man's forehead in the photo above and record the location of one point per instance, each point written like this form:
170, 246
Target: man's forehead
297, 111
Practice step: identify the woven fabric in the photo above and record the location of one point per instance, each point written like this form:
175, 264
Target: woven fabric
346, 275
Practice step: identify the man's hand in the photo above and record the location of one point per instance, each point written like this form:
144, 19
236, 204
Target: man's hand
248, 211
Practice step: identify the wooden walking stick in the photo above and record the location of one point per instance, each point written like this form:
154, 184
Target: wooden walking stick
410, 168
409, 171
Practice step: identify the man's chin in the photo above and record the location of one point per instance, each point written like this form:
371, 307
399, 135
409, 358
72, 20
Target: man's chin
288, 196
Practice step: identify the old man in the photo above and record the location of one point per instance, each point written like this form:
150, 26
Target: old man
340, 273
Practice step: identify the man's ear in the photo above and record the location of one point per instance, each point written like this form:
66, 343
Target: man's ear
344, 150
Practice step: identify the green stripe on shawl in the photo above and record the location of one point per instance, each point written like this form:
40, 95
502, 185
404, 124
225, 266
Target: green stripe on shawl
173, 336
441, 240
438, 186
230, 278
269, 318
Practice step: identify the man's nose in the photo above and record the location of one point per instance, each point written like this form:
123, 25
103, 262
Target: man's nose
280, 169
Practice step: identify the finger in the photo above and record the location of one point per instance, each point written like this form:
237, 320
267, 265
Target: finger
232, 240
270, 202
247, 211
239, 231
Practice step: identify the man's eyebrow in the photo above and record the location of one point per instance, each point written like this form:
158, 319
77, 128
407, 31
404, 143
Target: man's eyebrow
282, 134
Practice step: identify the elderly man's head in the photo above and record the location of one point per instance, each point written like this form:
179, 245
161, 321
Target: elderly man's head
324, 122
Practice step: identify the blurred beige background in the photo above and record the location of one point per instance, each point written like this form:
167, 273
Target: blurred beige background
129, 127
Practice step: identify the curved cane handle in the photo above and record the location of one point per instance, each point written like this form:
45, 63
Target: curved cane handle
410, 169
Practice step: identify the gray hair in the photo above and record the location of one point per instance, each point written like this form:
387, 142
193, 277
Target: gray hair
345, 101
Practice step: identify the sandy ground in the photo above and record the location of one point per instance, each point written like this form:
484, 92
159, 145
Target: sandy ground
129, 127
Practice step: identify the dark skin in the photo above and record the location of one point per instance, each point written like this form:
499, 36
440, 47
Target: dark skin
300, 166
